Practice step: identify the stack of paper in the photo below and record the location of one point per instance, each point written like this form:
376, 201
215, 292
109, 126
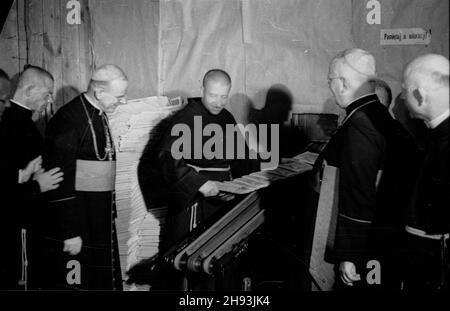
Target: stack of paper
138, 230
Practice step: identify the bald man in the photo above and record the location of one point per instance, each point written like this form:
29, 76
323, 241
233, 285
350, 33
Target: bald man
367, 149
426, 90
22, 147
82, 219
184, 183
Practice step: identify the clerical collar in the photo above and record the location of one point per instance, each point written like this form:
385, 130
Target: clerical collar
438, 120
19, 104
365, 99
90, 101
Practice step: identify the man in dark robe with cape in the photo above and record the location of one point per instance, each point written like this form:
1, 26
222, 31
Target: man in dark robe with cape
179, 169
375, 157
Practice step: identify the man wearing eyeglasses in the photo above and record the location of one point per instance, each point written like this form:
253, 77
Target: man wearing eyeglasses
367, 149
23, 188
82, 249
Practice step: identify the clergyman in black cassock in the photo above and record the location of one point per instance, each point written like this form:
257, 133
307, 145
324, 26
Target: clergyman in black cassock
177, 183
427, 231
373, 154
22, 143
82, 237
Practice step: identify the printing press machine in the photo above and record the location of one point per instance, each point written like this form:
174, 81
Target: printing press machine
256, 241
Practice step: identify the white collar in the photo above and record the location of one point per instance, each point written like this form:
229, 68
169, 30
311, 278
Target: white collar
438, 120
90, 101
365, 95
19, 104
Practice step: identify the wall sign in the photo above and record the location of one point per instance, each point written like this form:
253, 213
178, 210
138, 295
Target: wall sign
405, 36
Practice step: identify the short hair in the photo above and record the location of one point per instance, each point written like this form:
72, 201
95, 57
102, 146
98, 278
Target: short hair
38, 70
381, 84
29, 76
216, 75
3, 74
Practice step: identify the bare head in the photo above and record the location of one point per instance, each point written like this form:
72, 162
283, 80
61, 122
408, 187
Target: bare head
5, 90
216, 88
108, 86
349, 74
35, 88
426, 86
383, 91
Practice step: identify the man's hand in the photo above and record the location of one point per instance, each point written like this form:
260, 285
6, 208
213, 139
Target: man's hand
48, 180
32, 167
348, 273
209, 189
73, 246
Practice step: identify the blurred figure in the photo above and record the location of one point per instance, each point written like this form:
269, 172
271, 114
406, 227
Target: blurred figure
414, 126
277, 108
426, 90
383, 92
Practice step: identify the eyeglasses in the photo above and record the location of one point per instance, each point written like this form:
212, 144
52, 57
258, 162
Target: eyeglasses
121, 99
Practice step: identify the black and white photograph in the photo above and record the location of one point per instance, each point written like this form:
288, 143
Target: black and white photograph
225, 154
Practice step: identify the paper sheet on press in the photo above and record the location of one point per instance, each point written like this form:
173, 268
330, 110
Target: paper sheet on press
262, 179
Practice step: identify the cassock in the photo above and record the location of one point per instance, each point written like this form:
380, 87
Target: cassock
79, 142
429, 210
21, 203
375, 157
426, 243
166, 181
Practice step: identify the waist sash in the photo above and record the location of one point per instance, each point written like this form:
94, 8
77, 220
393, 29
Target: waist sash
423, 234
95, 176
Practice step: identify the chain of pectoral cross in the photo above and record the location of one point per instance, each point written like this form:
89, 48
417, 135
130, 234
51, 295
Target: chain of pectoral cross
109, 149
